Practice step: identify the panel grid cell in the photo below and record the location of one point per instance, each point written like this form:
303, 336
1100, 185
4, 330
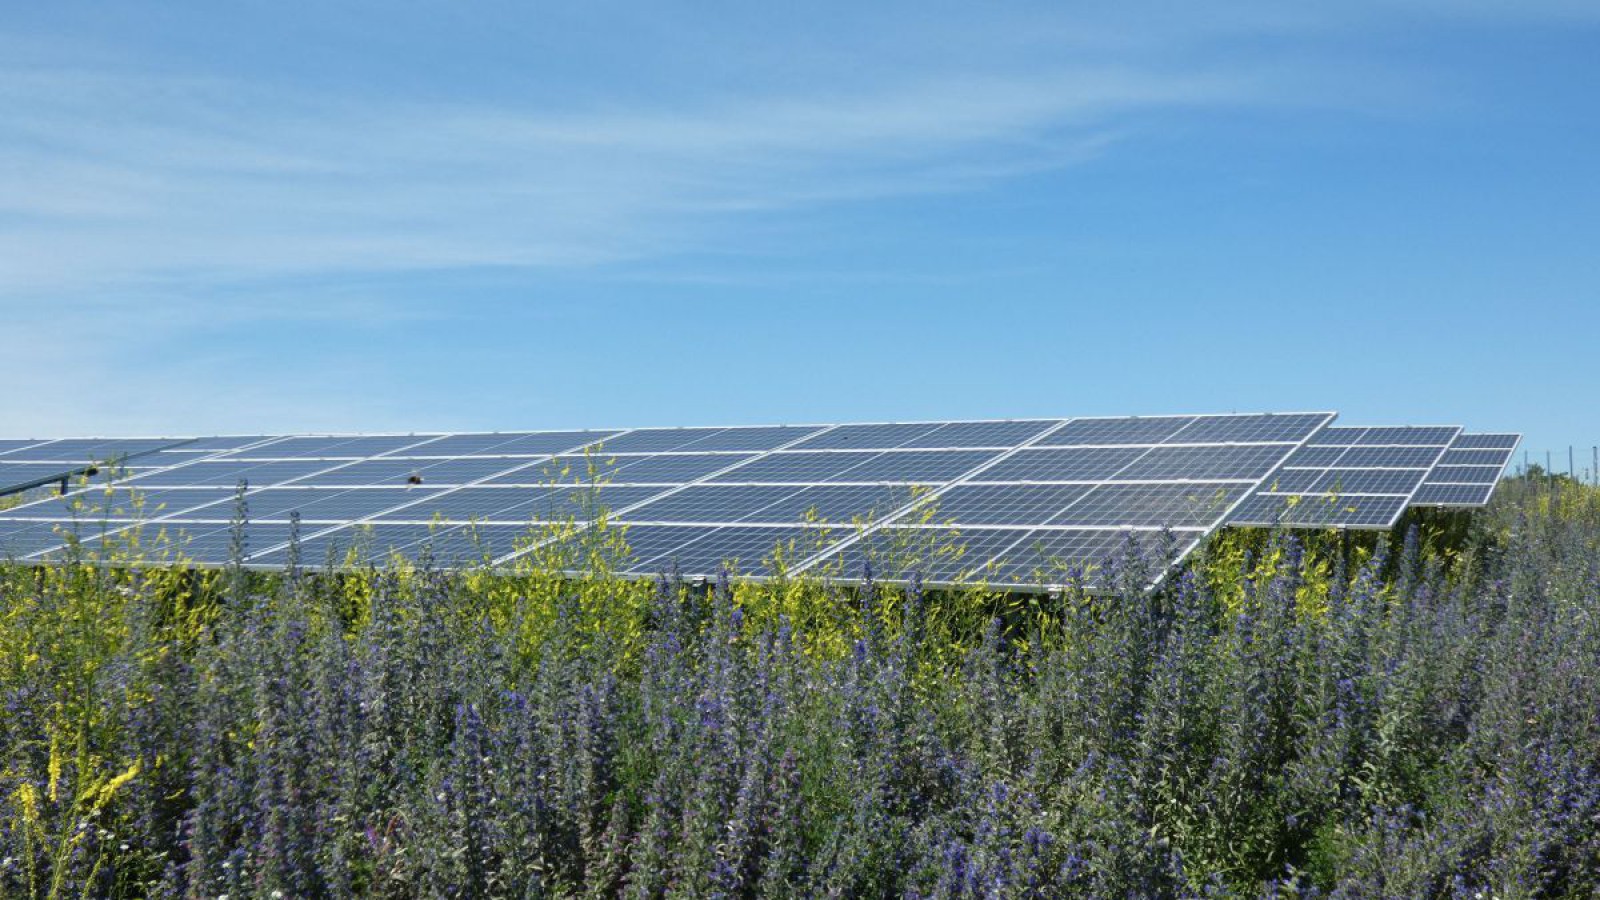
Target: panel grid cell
1115, 431
1203, 463
1060, 464
1457, 457
374, 544
1151, 505
1002, 504
1464, 475
997, 435
1319, 511
342, 447
12, 446
501, 504
936, 555
754, 439
527, 443
868, 437
915, 466
1289, 428
1369, 481
1389, 457
1046, 558
1507, 442
661, 468
712, 503
797, 467
383, 472
1453, 495
839, 504
745, 550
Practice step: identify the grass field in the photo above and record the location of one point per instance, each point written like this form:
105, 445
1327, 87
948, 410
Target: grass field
1292, 715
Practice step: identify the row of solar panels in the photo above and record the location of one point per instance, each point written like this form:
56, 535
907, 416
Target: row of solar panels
1006, 502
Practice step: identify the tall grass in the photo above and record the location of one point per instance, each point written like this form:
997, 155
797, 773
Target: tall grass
1289, 716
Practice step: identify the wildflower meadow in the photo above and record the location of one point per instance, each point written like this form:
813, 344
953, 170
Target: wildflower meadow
1287, 715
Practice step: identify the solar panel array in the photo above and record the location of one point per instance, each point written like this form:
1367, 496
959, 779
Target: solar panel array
1017, 502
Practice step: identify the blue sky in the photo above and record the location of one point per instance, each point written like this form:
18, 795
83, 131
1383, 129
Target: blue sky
490, 216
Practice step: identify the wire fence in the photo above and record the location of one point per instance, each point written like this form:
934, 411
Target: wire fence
1577, 465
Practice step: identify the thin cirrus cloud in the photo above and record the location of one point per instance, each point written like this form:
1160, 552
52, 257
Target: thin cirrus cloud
119, 180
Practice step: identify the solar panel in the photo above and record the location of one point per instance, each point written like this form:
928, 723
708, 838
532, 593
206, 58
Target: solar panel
1348, 478
1015, 503
29, 464
1468, 472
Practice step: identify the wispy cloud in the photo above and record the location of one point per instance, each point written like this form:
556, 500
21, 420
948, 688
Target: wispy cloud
141, 180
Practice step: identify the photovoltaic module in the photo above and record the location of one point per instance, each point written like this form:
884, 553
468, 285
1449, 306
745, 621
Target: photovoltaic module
1008, 503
